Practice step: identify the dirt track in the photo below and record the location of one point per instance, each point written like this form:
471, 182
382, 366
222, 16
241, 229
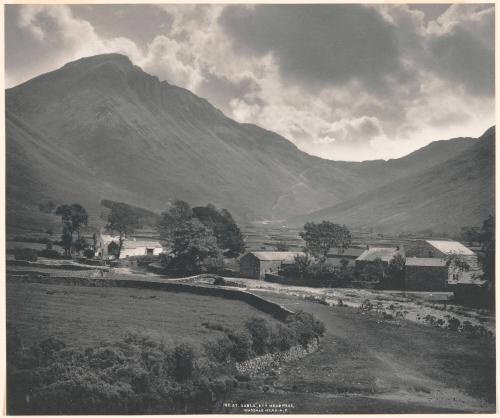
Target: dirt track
366, 365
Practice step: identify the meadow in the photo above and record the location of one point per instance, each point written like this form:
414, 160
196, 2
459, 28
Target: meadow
85, 316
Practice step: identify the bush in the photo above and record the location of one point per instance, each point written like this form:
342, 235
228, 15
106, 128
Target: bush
48, 253
219, 350
241, 348
184, 362
282, 338
219, 281
140, 375
321, 271
259, 330
145, 260
89, 253
136, 375
306, 327
25, 254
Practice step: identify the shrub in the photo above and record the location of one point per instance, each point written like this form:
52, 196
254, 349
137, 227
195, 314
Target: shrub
366, 305
241, 348
25, 254
321, 271
89, 253
219, 281
282, 338
306, 327
184, 362
259, 330
140, 375
49, 253
145, 260
137, 375
219, 350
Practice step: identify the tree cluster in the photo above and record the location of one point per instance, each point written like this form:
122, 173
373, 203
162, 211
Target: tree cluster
321, 237
73, 217
198, 236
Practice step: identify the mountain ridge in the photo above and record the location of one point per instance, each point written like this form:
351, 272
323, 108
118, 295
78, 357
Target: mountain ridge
108, 130
444, 187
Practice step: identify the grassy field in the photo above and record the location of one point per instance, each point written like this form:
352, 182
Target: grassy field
368, 365
84, 316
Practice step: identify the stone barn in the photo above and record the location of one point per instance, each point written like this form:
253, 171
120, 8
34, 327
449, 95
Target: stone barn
440, 249
426, 274
385, 254
334, 257
256, 264
136, 248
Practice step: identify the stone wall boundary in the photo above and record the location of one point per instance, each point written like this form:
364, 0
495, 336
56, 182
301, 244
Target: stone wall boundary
274, 309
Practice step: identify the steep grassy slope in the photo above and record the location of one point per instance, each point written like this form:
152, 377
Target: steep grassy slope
100, 128
109, 130
458, 192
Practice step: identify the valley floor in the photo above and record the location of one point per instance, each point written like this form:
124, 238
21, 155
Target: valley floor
366, 363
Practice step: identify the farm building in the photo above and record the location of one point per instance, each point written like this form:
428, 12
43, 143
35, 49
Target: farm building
136, 248
255, 265
132, 247
371, 254
426, 274
439, 249
350, 254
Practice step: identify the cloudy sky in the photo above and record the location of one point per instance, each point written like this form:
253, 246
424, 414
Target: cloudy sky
345, 82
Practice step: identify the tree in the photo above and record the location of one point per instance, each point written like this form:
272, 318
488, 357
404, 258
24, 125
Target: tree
121, 221
320, 238
192, 243
344, 263
67, 238
113, 248
73, 218
80, 244
375, 270
396, 271
470, 234
302, 262
456, 263
227, 232
179, 212
281, 246
487, 240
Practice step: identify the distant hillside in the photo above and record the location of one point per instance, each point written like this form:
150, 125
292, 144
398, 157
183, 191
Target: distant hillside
145, 217
458, 192
101, 128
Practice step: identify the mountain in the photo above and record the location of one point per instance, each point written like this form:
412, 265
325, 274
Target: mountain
458, 192
100, 128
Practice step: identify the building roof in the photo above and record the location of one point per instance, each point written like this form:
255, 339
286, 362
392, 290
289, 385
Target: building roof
425, 262
384, 253
276, 255
130, 244
453, 247
348, 253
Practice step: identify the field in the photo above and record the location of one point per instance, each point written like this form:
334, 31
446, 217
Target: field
366, 365
84, 316
367, 362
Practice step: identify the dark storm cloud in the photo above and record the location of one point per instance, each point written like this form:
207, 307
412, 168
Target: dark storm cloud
222, 90
463, 58
319, 44
22, 53
142, 23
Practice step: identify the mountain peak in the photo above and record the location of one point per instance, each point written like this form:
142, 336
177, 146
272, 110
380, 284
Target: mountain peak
488, 132
115, 58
